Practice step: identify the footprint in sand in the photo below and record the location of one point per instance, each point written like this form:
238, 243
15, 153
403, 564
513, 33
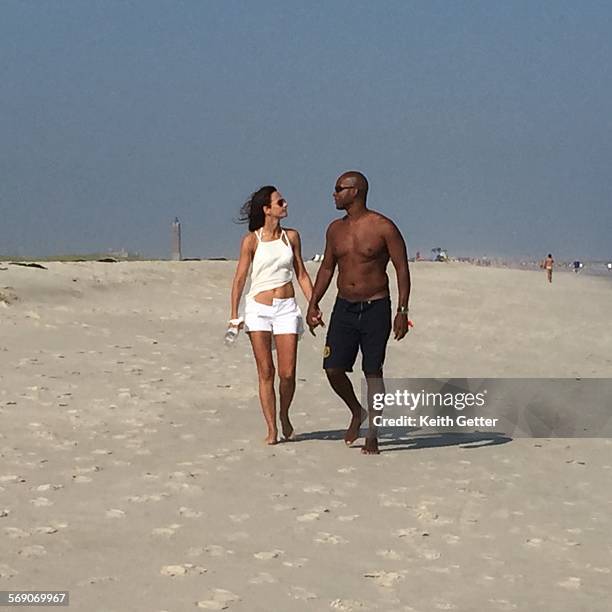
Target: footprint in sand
166, 532
445, 605
302, 594
572, 583
346, 605
48, 487
33, 551
348, 517
214, 550
120, 463
7, 572
115, 513
385, 579
15, 532
282, 507
189, 512
409, 532
263, 578
184, 487
311, 516
140, 499
279, 495
218, 599
316, 489
503, 604
296, 563
182, 570
334, 503
239, 518
11, 478
388, 553
97, 580
451, 538
267, 555
429, 554
329, 538
45, 530
87, 470
390, 502
173, 570
534, 542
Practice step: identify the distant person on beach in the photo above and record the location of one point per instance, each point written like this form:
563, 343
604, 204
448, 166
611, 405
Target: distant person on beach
577, 265
275, 255
548, 264
360, 244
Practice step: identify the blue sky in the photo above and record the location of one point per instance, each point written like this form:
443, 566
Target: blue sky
484, 127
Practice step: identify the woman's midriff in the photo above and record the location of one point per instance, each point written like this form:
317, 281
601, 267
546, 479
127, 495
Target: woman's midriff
279, 293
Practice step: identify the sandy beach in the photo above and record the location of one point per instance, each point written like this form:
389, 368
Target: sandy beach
133, 472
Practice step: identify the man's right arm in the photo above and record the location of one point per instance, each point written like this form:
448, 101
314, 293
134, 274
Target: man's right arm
326, 271
324, 276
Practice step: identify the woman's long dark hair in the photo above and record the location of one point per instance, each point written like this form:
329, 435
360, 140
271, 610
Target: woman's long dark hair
252, 210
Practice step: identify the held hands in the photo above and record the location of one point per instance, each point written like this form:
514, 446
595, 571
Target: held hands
314, 318
401, 325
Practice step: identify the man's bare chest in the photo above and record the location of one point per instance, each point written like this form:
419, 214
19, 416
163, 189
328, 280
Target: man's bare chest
359, 243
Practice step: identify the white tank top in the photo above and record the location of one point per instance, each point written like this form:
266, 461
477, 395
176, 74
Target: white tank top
272, 264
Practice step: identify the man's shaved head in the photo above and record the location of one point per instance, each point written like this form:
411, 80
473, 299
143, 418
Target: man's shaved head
355, 179
351, 190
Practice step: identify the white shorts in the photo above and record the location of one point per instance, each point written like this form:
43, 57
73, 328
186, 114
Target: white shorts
283, 316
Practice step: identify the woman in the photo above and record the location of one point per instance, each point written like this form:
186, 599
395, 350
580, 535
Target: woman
548, 264
271, 309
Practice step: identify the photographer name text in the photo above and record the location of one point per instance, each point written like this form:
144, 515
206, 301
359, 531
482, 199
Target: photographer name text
434, 421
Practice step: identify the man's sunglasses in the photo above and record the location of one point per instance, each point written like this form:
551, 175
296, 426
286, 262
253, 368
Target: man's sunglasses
339, 188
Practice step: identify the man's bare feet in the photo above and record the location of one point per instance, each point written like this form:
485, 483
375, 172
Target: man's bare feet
352, 433
370, 447
286, 427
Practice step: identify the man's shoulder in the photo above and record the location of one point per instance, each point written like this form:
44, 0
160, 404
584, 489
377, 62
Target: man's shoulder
380, 222
374, 215
335, 224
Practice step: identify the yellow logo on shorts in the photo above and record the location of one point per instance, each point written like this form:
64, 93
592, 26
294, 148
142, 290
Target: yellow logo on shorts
327, 351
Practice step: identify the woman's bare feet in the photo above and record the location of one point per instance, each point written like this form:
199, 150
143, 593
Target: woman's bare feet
271, 438
370, 447
352, 433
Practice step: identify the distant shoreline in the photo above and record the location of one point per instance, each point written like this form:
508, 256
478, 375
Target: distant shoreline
590, 268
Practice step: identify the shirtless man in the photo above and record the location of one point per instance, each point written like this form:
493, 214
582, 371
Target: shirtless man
361, 244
